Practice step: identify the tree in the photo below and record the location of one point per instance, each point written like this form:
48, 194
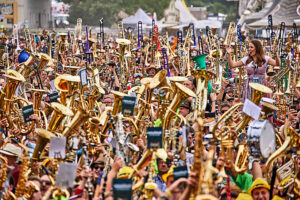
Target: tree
91, 11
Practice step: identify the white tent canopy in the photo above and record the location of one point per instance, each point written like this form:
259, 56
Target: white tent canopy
140, 15
211, 23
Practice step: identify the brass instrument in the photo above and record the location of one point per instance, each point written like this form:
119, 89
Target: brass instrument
93, 134
291, 139
198, 154
118, 96
258, 92
30, 190
3, 171
276, 78
121, 30
43, 137
37, 98
23, 176
59, 112
79, 118
288, 86
56, 193
150, 185
202, 78
181, 94
62, 86
78, 29
230, 34
63, 43
7, 94
124, 70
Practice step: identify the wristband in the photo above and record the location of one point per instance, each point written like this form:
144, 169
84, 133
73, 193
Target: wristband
164, 197
168, 192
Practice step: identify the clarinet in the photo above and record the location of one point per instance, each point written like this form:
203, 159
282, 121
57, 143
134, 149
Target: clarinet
86, 163
105, 173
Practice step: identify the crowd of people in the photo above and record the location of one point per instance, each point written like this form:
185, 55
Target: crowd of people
188, 134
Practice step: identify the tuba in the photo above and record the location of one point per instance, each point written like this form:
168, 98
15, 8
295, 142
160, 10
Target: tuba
43, 137
182, 93
37, 99
79, 118
202, 79
60, 111
7, 94
291, 139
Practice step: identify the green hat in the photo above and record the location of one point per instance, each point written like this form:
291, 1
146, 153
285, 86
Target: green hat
200, 60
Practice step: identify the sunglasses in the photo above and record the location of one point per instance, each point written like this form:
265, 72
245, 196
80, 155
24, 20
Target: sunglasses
98, 167
47, 182
223, 111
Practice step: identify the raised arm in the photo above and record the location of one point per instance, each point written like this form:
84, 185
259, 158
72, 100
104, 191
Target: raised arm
231, 63
274, 62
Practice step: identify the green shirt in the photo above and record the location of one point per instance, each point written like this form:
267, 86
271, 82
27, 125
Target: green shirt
244, 181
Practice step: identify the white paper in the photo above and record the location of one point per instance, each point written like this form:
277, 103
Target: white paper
251, 109
83, 76
57, 147
268, 100
66, 175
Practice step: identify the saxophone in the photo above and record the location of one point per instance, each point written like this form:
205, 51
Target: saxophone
198, 154
21, 186
3, 173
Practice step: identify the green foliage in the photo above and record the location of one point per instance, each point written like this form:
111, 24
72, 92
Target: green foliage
92, 10
217, 6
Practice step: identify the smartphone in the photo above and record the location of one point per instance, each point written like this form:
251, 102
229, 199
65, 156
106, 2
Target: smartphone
293, 107
209, 115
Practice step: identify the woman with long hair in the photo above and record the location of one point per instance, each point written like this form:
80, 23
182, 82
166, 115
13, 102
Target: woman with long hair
256, 65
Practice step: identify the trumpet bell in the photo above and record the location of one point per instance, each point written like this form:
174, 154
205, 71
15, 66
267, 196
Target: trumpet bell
260, 88
270, 71
60, 111
43, 138
158, 79
123, 41
60, 83
214, 54
133, 146
268, 108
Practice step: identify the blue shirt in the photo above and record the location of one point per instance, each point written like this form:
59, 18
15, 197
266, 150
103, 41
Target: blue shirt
160, 183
